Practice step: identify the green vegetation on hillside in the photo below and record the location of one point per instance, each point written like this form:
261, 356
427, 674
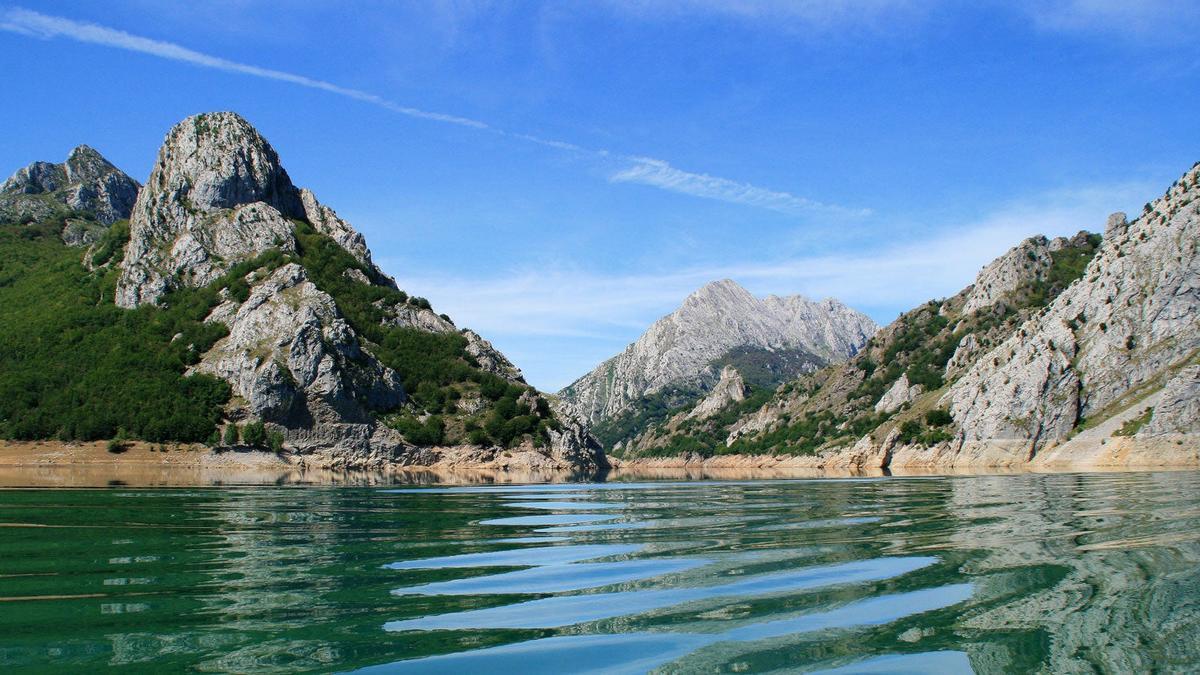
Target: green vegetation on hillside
436, 369
836, 406
73, 366
768, 368
647, 412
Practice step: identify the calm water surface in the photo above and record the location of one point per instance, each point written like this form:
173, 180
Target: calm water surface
1056, 573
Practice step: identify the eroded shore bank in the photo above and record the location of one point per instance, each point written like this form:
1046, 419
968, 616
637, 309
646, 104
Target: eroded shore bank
1176, 451
53, 464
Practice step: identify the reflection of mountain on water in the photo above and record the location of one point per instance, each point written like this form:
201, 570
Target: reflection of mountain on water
1105, 570
1007, 574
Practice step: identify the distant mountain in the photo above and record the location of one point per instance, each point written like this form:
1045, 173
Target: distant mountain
86, 192
1079, 350
680, 357
231, 300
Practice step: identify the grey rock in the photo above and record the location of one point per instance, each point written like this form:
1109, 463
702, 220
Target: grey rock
216, 196
1026, 262
574, 446
357, 275
1131, 317
292, 360
327, 222
404, 315
900, 394
965, 353
1117, 225
490, 359
730, 389
81, 232
676, 350
86, 184
1178, 411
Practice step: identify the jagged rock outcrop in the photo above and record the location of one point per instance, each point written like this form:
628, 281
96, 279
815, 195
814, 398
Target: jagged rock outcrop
404, 315
86, 184
1132, 315
293, 360
217, 195
327, 222
730, 389
677, 350
1178, 408
490, 359
901, 393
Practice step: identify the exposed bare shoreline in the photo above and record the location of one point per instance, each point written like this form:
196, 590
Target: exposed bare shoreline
55, 464
1076, 455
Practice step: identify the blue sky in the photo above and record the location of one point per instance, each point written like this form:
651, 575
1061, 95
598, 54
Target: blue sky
558, 175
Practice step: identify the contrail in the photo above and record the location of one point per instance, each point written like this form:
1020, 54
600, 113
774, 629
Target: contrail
644, 170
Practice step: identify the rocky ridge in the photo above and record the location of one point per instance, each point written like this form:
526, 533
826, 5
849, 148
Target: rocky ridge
678, 353
304, 350
86, 187
1069, 351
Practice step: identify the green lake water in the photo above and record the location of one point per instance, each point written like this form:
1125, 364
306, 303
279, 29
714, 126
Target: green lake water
990, 574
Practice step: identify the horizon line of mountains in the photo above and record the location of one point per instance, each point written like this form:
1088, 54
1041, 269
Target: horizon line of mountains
221, 296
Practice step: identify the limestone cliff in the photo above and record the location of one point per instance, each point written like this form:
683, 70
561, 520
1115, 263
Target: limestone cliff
680, 356
1081, 349
1130, 319
272, 292
87, 188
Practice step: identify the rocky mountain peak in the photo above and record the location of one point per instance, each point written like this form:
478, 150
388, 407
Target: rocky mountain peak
217, 195
219, 161
86, 183
716, 293
678, 350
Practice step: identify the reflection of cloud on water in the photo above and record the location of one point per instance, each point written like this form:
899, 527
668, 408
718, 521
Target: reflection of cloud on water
640, 652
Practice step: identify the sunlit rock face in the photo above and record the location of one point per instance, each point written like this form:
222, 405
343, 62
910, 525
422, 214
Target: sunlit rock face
676, 350
93, 191
217, 195
1124, 325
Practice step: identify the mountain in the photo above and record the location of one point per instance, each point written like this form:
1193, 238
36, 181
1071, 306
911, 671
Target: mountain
680, 357
86, 191
1079, 350
233, 301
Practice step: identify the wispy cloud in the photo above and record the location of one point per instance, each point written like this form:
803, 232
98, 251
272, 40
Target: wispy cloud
35, 24
819, 14
1175, 18
649, 171
526, 310
660, 174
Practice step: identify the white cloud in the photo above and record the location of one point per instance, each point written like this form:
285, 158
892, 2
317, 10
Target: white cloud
528, 308
660, 174
1160, 17
34, 24
810, 13
645, 170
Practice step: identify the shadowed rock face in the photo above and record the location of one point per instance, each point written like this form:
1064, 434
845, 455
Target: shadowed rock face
676, 351
86, 183
293, 358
